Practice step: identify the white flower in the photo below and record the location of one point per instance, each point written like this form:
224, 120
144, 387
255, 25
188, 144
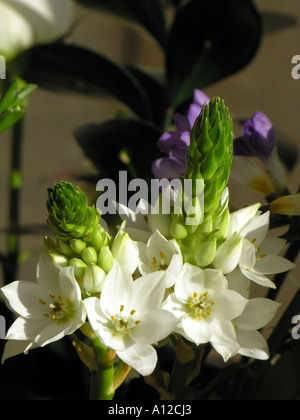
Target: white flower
159, 254
249, 248
205, 308
48, 309
256, 315
25, 23
128, 317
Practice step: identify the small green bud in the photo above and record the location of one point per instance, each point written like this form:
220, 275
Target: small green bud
105, 259
79, 268
228, 254
64, 248
194, 215
93, 279
77, 245
178, 228
89, 255
205, 254
222, 225
59, 258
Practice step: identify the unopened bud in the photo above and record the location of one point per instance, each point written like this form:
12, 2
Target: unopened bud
93, 279
205, 254
228, 254
89, 255
125, 251
79, 268
105, 259
77, 246
64, 248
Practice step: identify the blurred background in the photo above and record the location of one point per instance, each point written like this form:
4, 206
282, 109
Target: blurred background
51, 153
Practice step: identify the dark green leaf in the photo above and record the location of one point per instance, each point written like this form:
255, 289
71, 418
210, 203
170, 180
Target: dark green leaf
208, 42
155, 89
274, 22
10, 118
147, 13
104, 143
71, 68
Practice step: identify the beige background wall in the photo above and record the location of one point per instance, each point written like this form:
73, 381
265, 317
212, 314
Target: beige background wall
51, 153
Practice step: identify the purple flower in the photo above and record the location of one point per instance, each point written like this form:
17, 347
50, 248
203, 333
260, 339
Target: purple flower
258, 139
175, 143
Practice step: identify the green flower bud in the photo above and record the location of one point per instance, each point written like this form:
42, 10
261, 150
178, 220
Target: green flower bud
222, 225
210, 153
205, 254
178, 228
105, 259
93, 279
228, 254
79, 268
89, 255
64, 248
69, 213
59, 259
77, 245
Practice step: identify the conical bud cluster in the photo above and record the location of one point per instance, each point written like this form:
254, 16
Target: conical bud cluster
209, 158
210, 153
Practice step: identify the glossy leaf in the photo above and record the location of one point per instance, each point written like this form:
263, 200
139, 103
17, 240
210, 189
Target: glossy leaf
13, 103
208, 42
71, 68
104, 143
146, 13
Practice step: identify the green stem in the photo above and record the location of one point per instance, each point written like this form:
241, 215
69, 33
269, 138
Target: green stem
102, 379
13, 245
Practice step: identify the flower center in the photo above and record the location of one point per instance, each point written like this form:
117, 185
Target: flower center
161, 264
124, 324
56, 309
201, 305
257, 251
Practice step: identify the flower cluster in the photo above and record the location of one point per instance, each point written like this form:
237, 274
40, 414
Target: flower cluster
157, 277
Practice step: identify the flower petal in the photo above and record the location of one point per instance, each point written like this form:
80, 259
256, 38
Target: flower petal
272, 264
196, 329
252, 344
154, 327
148, 293
24, 298
69, 287
190, 280
228, 305
258, 278
142, 358
117, 290
257, 314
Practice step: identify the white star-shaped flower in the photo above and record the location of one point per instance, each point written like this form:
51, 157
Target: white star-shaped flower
128, 317
48, 309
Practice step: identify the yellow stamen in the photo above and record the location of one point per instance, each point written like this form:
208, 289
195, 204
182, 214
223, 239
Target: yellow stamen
154, 263
42, 302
